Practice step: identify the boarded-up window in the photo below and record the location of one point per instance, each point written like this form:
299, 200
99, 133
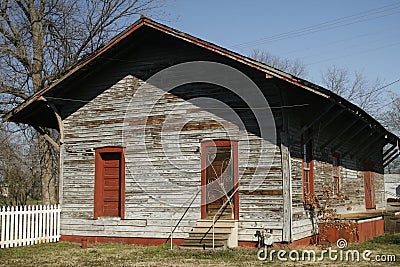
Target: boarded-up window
308, 170
336, 177
109, 191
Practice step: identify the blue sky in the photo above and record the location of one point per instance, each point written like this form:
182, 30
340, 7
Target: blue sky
360, 35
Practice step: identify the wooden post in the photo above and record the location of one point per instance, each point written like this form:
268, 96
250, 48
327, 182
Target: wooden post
287, 190
59, 121
61, 153
286, 171
60, 149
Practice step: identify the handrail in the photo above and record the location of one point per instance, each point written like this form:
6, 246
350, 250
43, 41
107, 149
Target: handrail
214, 221
170, 237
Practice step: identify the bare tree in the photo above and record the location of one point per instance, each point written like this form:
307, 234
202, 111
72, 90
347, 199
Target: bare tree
355, 87
295, 67
369, 96
41, 39
19, 172
391, 116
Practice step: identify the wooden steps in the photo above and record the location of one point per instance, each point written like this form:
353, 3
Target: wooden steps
200, 237
212, 209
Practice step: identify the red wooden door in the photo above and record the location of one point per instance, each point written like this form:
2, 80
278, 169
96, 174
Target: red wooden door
111, 184
109, 191
308, 171
369, 190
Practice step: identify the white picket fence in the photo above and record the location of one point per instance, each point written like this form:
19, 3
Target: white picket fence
27, 225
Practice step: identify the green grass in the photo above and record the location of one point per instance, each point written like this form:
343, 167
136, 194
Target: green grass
385, 244
110, 255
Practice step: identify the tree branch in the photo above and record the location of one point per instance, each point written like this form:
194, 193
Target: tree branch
5, 89
24, 9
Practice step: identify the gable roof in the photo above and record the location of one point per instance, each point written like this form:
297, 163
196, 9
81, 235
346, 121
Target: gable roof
22, 112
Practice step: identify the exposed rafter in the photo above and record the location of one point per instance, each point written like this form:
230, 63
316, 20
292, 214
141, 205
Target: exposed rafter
389, 150
386, 163
371, 142
360, 144
354, 134
389, 157
47, 137
372, 152
58, 117
308, 126
324, 124
337, 136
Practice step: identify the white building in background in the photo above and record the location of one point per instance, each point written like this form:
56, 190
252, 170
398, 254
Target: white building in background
392, 185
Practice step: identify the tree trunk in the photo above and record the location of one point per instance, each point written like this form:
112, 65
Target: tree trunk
49, 195
45, 149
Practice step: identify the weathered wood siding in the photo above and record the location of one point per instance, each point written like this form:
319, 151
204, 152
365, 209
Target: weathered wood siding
162, 149
162, 133
352, 171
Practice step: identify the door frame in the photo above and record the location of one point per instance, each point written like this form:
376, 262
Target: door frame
219, 143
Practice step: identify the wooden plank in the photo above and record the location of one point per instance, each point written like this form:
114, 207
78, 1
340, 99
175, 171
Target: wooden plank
389, 150
59, 121
61, 156
262, 192
60, 143
287, 190
259, 224
391, 154
390, 160
47, 137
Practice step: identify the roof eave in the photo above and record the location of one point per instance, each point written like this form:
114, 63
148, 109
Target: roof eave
316, 89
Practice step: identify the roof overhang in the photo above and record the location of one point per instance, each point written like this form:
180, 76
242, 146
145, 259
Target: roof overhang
31, 110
